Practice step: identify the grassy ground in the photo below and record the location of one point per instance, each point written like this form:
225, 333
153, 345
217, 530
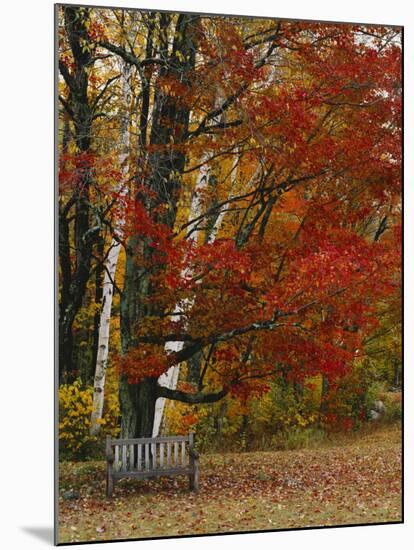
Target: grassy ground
352, 480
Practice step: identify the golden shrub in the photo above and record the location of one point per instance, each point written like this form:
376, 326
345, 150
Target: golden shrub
75, 408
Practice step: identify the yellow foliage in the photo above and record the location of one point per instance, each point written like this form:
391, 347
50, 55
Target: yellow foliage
181, 418
281, 409
75, 408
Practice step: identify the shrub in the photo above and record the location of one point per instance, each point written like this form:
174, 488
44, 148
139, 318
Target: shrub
393, 407
75, 408
180, 418
212, 423
284, 407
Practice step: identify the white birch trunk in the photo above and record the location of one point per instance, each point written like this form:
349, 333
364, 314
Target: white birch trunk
110, 265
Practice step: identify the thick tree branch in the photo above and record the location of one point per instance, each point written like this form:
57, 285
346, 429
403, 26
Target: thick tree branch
130, 58
192, 398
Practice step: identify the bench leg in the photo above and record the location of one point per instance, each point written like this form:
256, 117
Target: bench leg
109, 485
194, 477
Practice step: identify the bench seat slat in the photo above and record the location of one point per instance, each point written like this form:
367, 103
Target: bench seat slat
161, 455
183, 461
147, 457
131, 458
175, 453
124, 458
154, 456
139, 457
116, 461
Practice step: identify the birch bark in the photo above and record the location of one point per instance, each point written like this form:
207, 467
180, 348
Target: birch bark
111, 264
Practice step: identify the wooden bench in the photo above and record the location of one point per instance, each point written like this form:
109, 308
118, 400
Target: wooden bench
151, 456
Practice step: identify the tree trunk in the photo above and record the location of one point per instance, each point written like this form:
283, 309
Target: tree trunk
99, 281
74, 282
110, 265
137, 407
103, 339
170, 120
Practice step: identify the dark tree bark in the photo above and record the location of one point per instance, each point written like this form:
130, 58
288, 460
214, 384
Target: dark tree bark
138, 407
170, 120
99, 274
194, 368
74, 280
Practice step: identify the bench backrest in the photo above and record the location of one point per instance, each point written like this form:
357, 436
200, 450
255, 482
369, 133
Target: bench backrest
151, 453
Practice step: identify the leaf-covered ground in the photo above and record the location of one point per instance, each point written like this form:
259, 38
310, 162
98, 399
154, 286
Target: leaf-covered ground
356, 480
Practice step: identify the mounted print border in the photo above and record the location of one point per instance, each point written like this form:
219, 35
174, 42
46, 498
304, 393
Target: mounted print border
228, 274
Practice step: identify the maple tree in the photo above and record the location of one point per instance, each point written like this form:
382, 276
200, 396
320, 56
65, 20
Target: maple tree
295, 129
